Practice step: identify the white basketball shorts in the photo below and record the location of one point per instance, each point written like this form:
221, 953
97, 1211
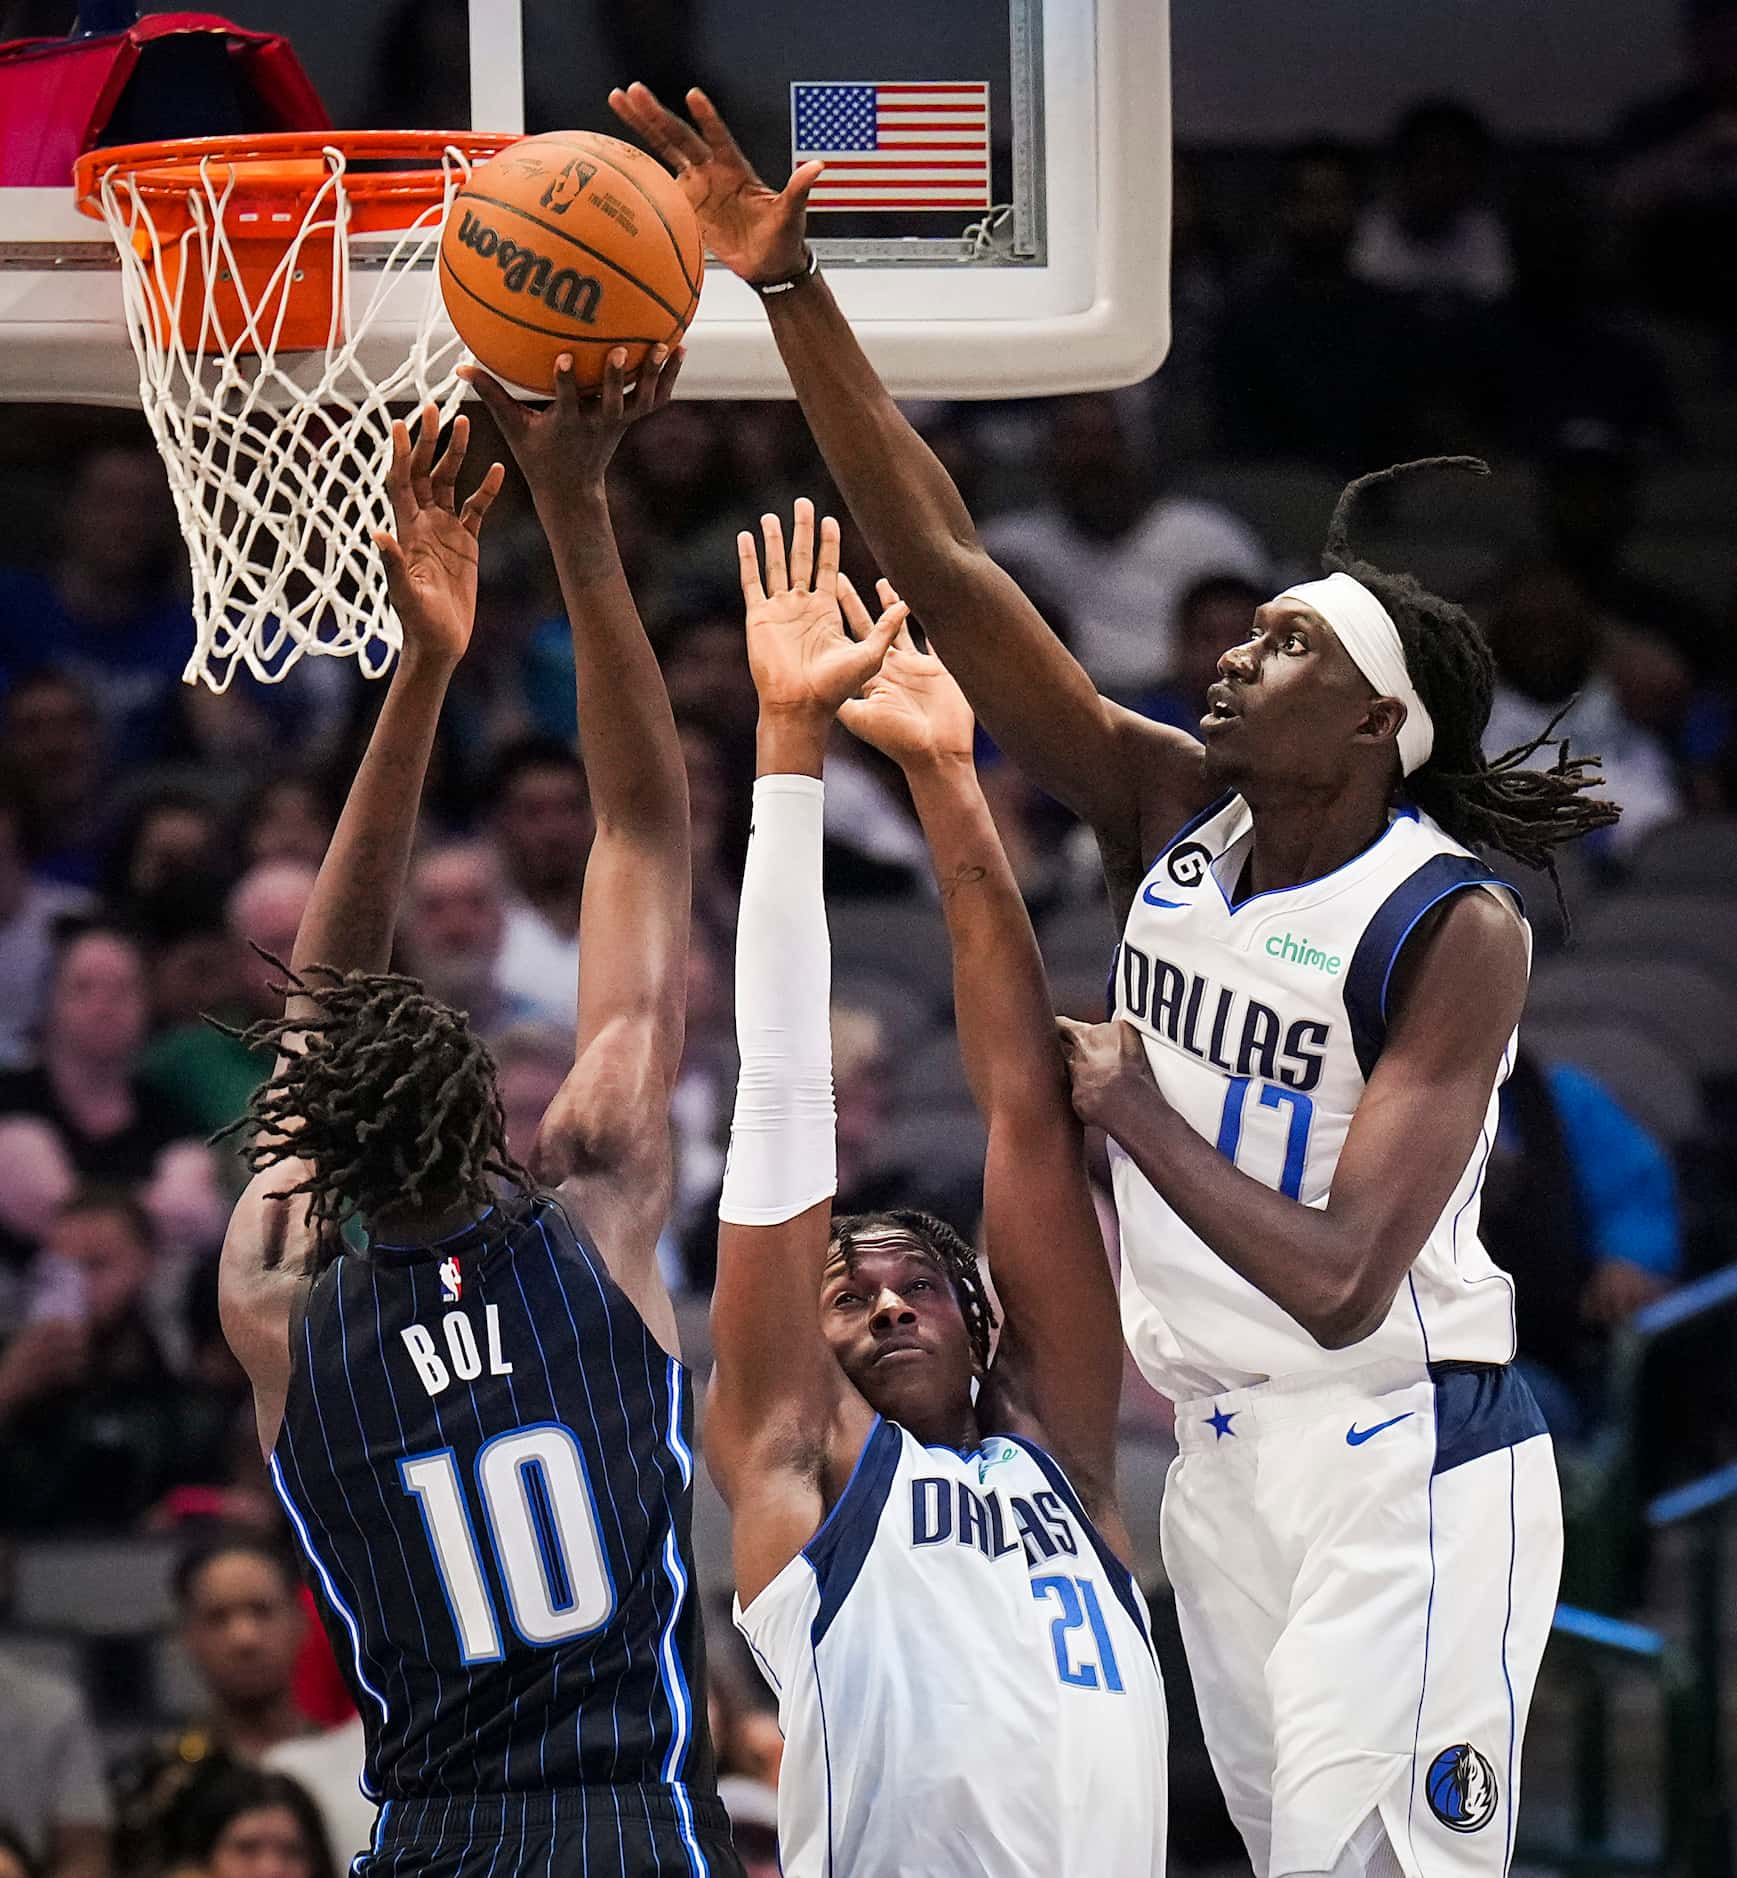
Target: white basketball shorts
1366, 1567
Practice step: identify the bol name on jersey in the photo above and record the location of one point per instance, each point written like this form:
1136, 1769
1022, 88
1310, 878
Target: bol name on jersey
958, 1635
487, 1459
1263, 1019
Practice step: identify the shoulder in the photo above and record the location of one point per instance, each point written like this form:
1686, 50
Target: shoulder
1467, 953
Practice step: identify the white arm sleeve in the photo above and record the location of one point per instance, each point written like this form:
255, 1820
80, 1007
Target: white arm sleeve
783, 1156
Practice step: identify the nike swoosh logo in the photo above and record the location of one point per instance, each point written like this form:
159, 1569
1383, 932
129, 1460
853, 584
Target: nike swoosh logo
1355, 1436
1152, 899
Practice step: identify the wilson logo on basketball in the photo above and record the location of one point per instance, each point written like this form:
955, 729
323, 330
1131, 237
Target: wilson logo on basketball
563, 290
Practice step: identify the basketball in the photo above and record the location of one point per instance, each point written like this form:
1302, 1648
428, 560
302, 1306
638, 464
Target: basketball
569, 242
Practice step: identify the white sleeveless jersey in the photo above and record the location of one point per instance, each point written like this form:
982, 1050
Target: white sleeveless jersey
1262, 1023
965, 1678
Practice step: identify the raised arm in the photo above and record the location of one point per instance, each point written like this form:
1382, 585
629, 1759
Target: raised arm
1132, 780
1059, 1361
431, 568
606, 1138
784, 1427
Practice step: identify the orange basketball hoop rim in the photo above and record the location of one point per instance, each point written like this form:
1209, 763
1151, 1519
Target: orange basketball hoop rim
245, 238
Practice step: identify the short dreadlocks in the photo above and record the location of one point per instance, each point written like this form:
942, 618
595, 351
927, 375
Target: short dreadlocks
390, 1098
1497, 802
957, 1261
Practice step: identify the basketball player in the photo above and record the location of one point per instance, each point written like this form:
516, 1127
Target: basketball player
1316, 996
475, 1418
930, 1563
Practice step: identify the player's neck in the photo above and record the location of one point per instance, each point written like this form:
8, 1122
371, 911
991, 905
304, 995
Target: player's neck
410, 1227
1299, 839
946, 1430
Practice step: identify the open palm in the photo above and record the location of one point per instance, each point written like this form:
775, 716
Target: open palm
912, 710
754, 229
431, 558
802, 658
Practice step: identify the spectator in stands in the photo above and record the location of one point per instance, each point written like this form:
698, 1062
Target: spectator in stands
53, 1798
328, 1766
289, 819
96, 1428
30, 911
1590, 501
1674, 181
1565, 353
196, 965
531, 1063
1313, 362
541, 827
246, 1823
717, 791
454, 939
1111, 549
52, 748
242, 1624
1580, 1206
1549, 642
1434, 234
107, 609
705, 664
171, 836
210, 1073
86, 1088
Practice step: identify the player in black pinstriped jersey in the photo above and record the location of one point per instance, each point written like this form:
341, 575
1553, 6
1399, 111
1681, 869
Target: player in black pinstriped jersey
477, 1420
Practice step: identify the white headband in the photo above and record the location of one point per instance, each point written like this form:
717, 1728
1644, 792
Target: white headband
1371, 640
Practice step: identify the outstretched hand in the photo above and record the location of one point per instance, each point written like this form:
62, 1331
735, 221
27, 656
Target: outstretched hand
911, 710
431, 557
565, 445
804, 662
754, 229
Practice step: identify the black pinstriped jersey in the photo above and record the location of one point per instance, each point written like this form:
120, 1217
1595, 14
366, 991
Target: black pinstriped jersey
487, 1459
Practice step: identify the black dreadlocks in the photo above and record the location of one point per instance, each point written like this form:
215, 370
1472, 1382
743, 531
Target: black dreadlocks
391, 1098
957, 1261
1493, 803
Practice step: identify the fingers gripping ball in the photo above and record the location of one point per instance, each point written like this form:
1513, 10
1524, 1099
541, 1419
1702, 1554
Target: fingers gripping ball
571, 242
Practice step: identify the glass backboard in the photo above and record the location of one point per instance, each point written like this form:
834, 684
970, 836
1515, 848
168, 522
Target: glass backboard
995, 215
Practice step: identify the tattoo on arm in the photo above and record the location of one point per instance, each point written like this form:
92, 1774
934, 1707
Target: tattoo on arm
964, 875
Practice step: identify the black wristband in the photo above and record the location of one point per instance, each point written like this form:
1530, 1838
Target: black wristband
809, 268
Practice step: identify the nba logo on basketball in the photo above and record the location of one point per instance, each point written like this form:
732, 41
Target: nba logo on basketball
567, 184
451, 1281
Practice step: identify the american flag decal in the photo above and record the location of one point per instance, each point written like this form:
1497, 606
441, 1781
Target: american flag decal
894, 146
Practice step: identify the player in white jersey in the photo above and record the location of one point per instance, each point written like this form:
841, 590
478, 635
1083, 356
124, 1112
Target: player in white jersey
1362, 1528
930, 1563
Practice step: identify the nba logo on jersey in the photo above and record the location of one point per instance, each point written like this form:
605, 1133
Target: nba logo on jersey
451, 1281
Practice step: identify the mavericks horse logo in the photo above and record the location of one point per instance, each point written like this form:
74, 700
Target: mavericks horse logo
1461, 1788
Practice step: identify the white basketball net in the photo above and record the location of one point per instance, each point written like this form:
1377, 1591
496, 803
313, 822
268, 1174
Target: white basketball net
278, 466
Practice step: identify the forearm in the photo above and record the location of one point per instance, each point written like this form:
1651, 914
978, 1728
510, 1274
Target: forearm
892, 482
633, 759
1033, 697
1001, 997
1315, 1266
353, 909
782, 1145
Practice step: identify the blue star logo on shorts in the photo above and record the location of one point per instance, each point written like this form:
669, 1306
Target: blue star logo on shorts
1461, 1788
1220, 1423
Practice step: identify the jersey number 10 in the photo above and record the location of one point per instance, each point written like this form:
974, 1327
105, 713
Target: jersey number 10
542, 1525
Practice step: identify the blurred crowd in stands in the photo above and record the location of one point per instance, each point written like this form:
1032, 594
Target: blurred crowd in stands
1571, 315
